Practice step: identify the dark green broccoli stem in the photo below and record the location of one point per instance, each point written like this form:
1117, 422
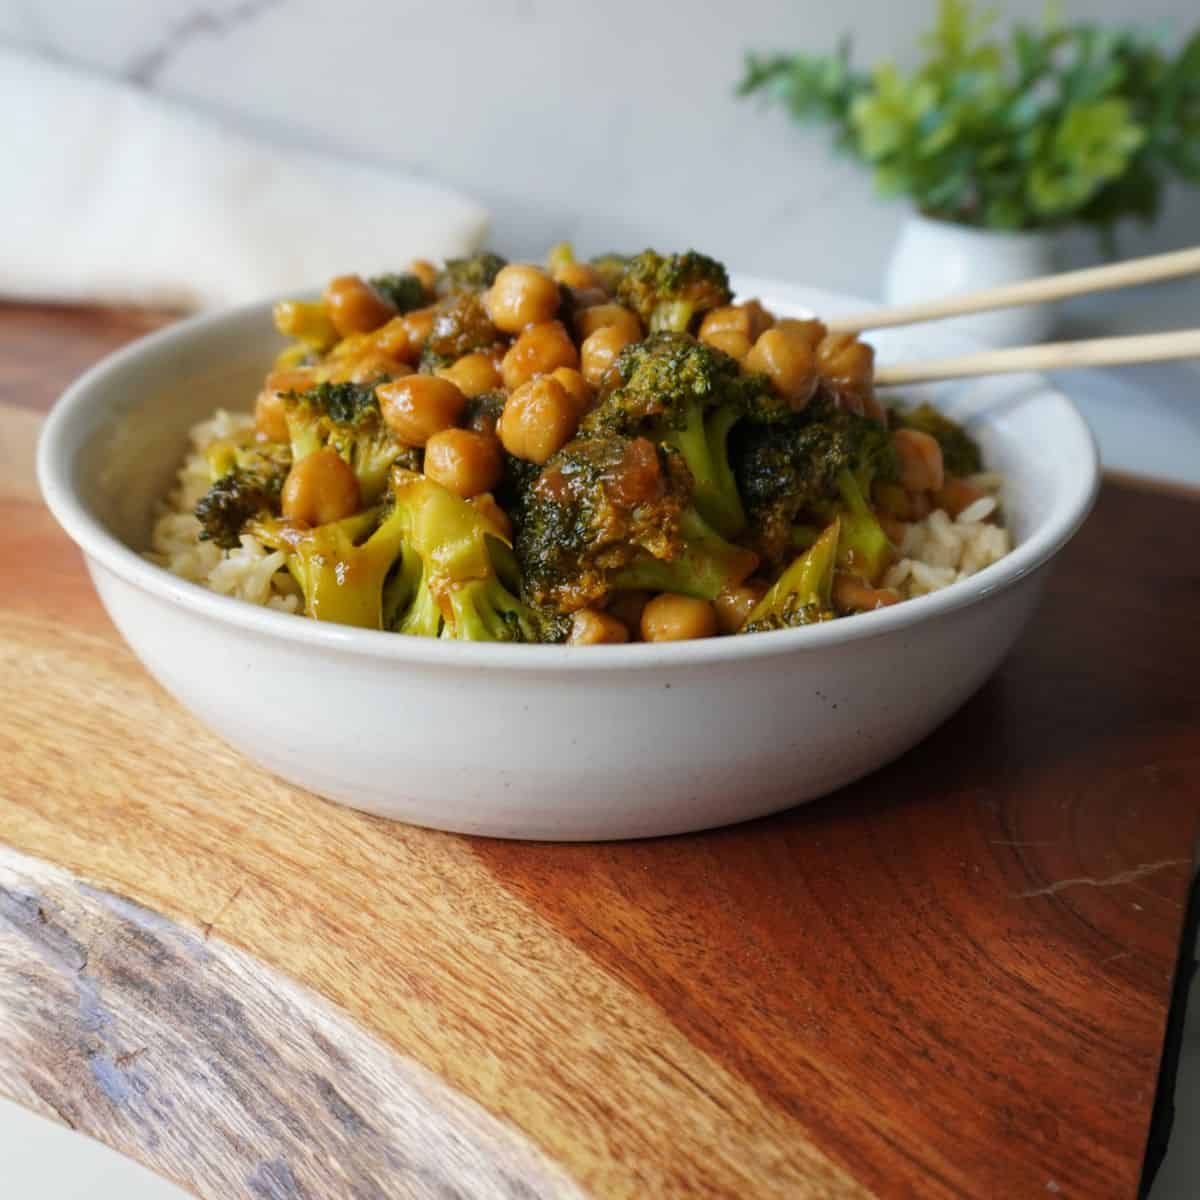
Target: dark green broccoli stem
703, 443
404, 291
706, 565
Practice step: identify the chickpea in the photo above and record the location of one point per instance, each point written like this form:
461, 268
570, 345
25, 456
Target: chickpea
539, 418
368, 367
403, 337
590, 627
465, 462
392, 339
473, 374
538, 351
670, 617
921, 467
576, 275
418, 406
320, 488
872, 406
521, 295
418, 324
891, 499
306, 320
846, 362
761, 318
956, 494
729, 317
733, 342
493, 514
355, 306
600, 349
496, 353
851, 594
627, 607
808, 329
604, 316
425, 271
575, 386
788, 362
736, 603
269, 419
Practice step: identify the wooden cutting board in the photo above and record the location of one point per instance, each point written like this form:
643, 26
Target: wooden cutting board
950, 979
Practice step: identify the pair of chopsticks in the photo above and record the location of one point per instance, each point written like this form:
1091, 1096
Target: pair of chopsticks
1096, 352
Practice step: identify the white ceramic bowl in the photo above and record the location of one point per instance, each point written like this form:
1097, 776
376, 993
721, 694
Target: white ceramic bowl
546, 742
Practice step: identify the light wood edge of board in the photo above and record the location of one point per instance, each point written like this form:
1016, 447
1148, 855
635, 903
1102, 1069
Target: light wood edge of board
218, 1072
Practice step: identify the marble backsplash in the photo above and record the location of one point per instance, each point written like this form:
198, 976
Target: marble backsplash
611, 124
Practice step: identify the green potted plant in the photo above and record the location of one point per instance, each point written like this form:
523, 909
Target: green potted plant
999, 143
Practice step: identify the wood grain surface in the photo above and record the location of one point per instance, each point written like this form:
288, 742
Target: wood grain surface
950, 979
154, 1012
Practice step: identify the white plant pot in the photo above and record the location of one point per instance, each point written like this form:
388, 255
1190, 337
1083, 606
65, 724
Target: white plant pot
933, 259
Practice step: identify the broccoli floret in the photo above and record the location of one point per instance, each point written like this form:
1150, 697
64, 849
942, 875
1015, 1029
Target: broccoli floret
474, 274
346, 416
670, 291
247, 481
232, 501
610, 268
802, 595
611, 512
674, 389
791, 466
460, 325
404, 291
346, 569
463, 556
960, 451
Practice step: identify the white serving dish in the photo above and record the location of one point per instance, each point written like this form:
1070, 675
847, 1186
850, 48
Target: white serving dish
546, 742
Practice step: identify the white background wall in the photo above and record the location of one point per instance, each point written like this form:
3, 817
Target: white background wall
610, 123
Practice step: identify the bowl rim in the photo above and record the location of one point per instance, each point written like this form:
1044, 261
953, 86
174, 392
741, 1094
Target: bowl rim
56, 478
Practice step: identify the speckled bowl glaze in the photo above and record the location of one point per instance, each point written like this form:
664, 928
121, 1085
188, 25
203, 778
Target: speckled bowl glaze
546, 742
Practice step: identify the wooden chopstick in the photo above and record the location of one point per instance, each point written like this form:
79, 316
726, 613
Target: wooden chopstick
1096, 352
1033, 291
